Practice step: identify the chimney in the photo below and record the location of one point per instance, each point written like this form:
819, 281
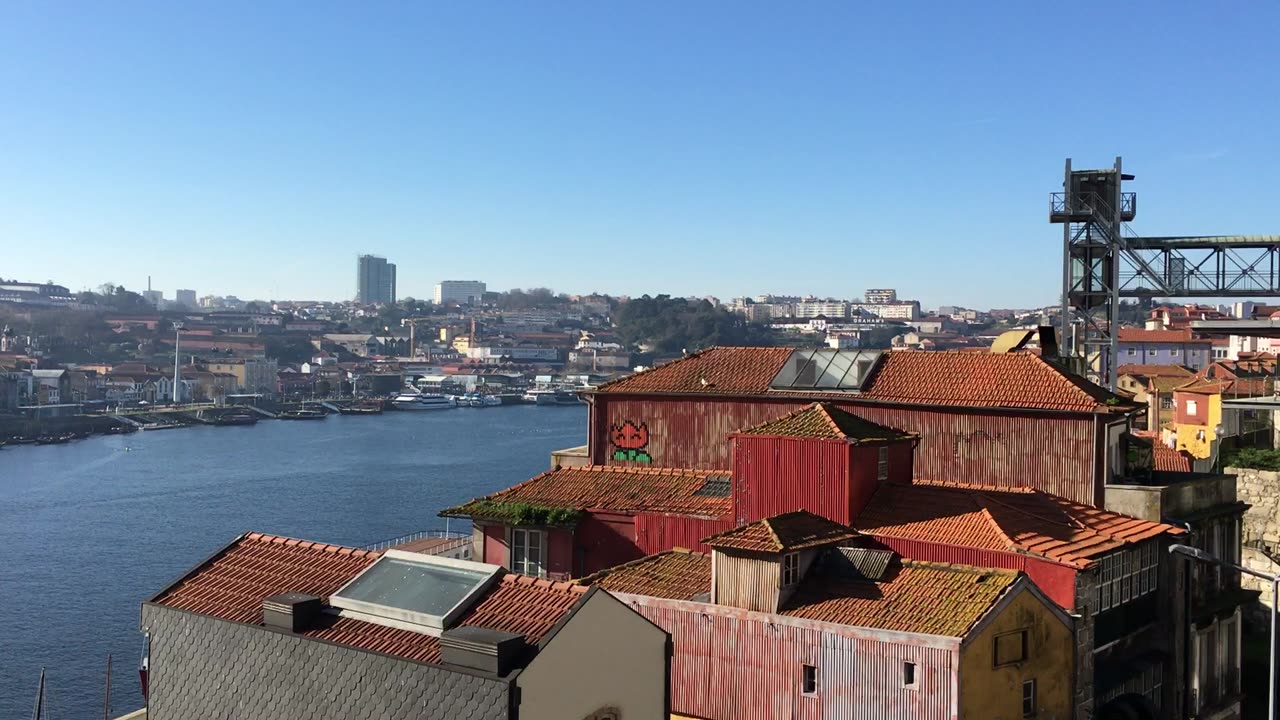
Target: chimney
492, 651
1048, 342
291, 612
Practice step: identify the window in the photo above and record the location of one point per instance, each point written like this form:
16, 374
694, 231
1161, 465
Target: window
1191, 407
1166, 402
1127, 575
529, 552
1028, 698
908, 674
810, 680
790, 569
1173, 352
882, 467
407, 587
1011, 648
1133, 351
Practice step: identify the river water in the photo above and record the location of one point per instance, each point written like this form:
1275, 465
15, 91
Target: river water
91, 529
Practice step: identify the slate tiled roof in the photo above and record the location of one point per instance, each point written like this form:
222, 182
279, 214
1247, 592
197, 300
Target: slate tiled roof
234, 583
1167, 458
783, 533
1017, 380
609, 488
917, 597
826, 421
677, 574
1021, 520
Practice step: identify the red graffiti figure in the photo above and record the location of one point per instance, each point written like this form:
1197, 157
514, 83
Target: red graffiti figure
629, 442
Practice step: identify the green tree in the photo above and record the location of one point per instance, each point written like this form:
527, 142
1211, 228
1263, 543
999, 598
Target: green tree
669, 325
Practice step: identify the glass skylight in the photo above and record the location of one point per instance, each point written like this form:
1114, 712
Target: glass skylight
826, 369
416, 589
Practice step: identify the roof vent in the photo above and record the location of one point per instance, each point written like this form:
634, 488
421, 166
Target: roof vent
492, 651
292, 612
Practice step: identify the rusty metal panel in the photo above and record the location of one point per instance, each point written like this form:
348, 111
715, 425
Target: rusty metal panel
774, 475
1000, 448
1055, 580
657, 533
731, 664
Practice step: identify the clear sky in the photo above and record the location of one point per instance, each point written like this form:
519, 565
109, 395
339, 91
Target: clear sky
726, 148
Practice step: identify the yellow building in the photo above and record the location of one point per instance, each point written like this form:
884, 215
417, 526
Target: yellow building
1198, 415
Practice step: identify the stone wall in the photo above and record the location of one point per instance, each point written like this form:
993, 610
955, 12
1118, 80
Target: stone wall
1261, 489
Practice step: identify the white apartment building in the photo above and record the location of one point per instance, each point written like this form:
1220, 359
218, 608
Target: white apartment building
828, 308
462, 292
880, 296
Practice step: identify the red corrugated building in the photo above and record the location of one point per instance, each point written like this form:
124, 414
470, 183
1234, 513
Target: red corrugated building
1002, 419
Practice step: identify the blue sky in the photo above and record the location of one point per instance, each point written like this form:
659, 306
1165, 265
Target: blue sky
719, 148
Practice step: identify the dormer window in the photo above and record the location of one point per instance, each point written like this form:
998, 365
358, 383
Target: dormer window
790, 569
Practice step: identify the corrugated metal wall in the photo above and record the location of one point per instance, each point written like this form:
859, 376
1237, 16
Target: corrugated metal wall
656, 533
731, 664
605, 540
1054, 453
777, 475
1056, 581
747, 583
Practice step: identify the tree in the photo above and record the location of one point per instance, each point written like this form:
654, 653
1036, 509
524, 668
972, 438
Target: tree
669, 325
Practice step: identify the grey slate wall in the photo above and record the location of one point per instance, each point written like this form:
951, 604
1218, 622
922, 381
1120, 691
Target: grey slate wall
203, 668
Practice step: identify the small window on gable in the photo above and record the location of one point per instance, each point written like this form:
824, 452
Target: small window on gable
810, 680
790, 569
1191, 407
1011, 648
882, 467
908, 675
1029, 698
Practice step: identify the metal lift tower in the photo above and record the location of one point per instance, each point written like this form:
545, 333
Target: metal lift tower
1103, 260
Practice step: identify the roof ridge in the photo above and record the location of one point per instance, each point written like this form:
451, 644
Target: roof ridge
694, 354
985, 512
272, 539
768, 525
825, 409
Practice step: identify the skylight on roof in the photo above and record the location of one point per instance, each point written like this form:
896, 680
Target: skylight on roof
413, 589
715, 486
826, 369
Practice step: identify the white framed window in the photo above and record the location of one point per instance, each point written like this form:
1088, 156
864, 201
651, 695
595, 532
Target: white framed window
1029, 698
529, 552
882, 467
1191, 407
1133, 351
790, 569
1127, 575
1173, 352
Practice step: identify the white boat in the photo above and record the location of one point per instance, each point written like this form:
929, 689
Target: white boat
414, 400
548, 396
477, 400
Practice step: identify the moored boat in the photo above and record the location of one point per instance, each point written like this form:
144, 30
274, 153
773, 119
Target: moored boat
302, 415
414, 400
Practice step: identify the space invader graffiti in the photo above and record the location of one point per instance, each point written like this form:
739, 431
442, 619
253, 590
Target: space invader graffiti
629, 442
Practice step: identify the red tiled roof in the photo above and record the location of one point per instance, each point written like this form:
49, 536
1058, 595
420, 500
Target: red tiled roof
783, 533
1139, 335
233, 585
1167, 458
1154, 371
826, 421
1019, 520
609, 488
949, 378
917, 597
677, 574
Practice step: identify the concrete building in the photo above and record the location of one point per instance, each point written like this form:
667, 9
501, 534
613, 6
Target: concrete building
795, 616
880, 295
1164, 347
185, 298
375, 280
830, 309
35, 294
296, 629
253, 375
461, 292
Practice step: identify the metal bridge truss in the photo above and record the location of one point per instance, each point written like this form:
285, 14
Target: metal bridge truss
1210, 266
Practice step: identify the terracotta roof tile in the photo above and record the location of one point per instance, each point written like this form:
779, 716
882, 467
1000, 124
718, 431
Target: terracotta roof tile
917, 597
783, 533
676, 574
1016, 380
1019, 520
234, 583
1140, 335
610, 488
826, 421
1155, 371
1167, 458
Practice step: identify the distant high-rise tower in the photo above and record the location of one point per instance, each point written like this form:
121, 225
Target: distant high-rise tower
375, 280
881, 296
462, 292
185, 298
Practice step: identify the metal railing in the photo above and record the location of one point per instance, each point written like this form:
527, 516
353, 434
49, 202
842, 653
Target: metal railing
411, 537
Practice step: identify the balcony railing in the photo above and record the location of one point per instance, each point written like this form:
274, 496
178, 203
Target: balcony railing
456, 540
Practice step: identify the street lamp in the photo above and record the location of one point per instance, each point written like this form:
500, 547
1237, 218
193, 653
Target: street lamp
1202, 556
177, 358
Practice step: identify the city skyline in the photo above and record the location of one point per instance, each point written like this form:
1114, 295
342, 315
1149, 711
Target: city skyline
684, 173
